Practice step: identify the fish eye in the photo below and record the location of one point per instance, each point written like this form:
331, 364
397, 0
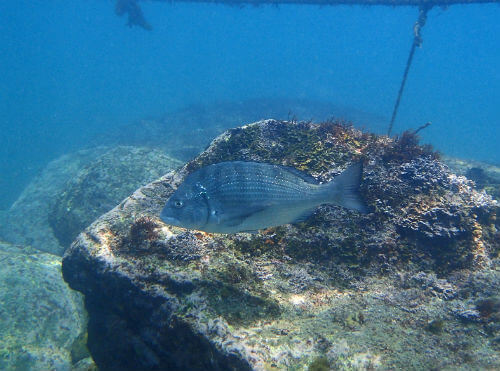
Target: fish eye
178, 204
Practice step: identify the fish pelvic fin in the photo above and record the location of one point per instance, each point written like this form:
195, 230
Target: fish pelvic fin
345, 187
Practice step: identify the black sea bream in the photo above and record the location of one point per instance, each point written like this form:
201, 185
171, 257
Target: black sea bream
238, 196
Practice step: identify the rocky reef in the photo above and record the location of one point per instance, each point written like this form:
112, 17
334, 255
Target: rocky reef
42, 321
411, 285
485, 176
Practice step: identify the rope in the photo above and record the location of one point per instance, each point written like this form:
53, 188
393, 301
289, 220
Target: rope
417, 41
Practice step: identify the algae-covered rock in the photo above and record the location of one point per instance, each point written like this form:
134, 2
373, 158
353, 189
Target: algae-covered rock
102, 184
485, 176
343, 290
26, 221
40, 316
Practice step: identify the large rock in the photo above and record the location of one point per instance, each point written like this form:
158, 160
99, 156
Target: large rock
101, 185
26, 221
411, 285
42, 321
73, 190
485, 176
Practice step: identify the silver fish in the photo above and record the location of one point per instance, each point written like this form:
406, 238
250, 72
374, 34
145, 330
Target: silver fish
231, 197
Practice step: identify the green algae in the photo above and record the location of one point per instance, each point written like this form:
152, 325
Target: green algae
240, 308
319, 364
79, 348
435, 326
489, 308
354, 320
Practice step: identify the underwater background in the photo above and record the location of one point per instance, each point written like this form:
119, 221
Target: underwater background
100, 123
72, 71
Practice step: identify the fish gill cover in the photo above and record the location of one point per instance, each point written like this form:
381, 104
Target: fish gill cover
395, 288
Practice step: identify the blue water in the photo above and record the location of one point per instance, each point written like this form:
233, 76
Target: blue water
72, 69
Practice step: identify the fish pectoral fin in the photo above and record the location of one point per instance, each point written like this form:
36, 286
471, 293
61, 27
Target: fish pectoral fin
216, 215
235, 220
304, 216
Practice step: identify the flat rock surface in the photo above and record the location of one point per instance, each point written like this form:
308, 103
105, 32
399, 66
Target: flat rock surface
411, 285
41, 318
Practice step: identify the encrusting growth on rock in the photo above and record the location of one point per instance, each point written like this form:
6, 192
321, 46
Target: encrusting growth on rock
339, 290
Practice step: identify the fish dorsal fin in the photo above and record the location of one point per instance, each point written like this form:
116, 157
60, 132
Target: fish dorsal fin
305, 177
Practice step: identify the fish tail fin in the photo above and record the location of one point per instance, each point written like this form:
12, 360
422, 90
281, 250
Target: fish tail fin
346, 188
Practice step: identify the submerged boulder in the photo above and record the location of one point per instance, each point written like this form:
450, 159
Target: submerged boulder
75, 189
26, 221
485, 176
340, 290
41, 318
101, 185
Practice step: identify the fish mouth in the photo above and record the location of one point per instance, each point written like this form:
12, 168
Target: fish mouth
170, 220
